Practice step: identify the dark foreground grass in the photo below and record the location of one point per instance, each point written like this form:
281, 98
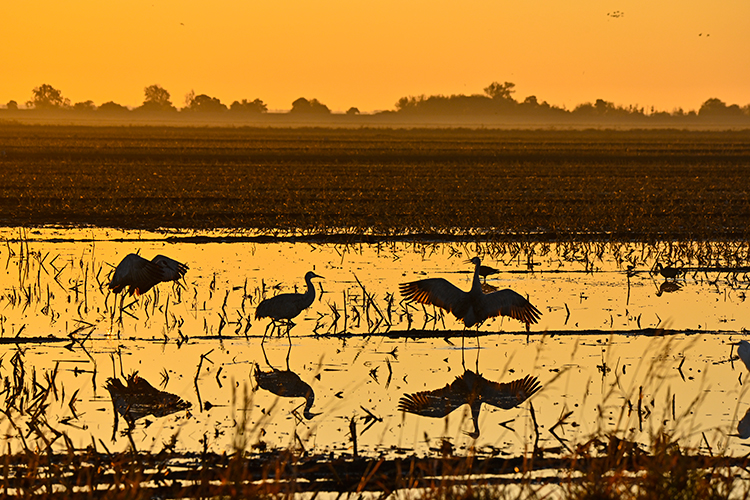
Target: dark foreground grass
601, 469
498, 184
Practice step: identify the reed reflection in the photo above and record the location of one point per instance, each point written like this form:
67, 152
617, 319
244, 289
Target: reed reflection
285, 384
473, 389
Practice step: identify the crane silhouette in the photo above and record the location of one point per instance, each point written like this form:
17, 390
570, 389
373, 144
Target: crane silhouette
286, 384
474, 306
743, 351
139, 275
286, 306
473, 389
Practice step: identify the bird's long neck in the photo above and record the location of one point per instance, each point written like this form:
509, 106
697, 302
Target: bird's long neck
309, 400
309, 297
476, 285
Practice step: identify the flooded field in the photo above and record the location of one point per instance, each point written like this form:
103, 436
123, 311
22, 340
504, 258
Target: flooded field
619, 347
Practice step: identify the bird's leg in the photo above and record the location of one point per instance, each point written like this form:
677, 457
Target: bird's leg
122, 306
463, 360
478, 349
266, 333
263, 348
288, 352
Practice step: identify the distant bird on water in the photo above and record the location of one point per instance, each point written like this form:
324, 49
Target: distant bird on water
485, 271
139, 275
668, 272
474, 306
472, 389
286, 306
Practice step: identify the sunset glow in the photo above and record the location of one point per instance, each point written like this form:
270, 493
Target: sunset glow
369, 54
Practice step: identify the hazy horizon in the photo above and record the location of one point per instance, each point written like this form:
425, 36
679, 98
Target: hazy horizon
667, 55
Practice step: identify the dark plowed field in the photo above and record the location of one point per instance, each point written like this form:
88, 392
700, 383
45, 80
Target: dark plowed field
502, 184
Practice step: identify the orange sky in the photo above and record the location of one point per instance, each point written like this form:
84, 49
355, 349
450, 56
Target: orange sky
368, 54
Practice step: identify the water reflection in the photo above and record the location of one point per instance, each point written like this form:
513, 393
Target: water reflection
136, 398
598, 300
668, 287
286, 384
471, 389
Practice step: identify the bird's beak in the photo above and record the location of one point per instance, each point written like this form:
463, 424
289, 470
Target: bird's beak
319, 276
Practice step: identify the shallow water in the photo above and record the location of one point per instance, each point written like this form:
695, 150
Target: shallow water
202, 343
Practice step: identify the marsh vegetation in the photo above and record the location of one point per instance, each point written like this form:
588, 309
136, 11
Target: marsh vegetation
633, 246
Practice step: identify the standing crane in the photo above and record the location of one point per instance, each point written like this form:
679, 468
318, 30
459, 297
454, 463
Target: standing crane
286, 306
472, 307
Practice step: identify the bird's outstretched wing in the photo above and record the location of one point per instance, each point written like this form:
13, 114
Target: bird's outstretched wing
171, 270
510, 394
438, 292
431, 403
509, 303
136, 273
440, 402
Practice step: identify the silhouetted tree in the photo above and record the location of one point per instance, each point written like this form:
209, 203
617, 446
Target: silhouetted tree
500, 91
84, 106
12, 105
302, 105
112, 107
47, 97
204, 103
352, 111
714, 108
256, 106
156, 99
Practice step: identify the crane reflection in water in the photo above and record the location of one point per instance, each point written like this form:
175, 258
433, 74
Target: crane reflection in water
285, 384
136, 398
473, 389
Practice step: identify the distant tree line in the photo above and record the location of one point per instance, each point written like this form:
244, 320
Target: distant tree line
497, 100
156, 100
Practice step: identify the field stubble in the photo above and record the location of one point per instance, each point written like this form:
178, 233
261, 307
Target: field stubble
498, 184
